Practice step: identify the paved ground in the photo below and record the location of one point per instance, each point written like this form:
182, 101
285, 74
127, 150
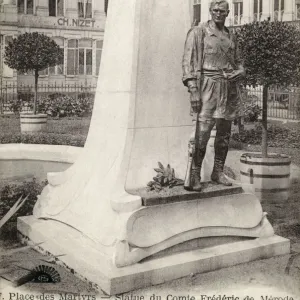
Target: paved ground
270, 279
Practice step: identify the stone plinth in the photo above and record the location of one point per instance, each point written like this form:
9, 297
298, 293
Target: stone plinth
206, 255
168, 220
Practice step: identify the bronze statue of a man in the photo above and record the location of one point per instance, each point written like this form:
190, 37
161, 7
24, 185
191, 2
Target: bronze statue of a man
211, 70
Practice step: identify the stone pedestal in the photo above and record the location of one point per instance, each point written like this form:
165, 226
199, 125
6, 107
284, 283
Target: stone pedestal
172, 235
97, 212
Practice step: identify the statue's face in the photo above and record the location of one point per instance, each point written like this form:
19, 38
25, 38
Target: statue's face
219, 13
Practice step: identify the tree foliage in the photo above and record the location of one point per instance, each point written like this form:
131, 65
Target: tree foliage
32, 51
271, 53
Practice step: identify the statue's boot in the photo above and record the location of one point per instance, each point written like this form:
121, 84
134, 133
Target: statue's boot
196, 179
204, 135
223, 131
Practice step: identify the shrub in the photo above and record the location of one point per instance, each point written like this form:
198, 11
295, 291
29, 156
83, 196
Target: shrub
43, 138
278, 135
251, 111
66, 106
11, 192
15, 105
25, 96
86, 95
56, 95
57, 106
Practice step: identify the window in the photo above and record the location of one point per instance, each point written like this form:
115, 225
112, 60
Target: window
7, 71
278, 9
72, 57
197, 12
25, 7
99, 45
257, 10
85, 57
237, 12
59, 69
85, 9
56, 8
80, 57
298, 9
106, 6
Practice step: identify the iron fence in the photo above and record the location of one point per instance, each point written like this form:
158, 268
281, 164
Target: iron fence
283, 103
11, 94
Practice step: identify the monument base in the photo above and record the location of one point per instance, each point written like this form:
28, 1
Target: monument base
209, 255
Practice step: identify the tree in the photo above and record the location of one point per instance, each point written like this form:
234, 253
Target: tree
33, 51
271, 53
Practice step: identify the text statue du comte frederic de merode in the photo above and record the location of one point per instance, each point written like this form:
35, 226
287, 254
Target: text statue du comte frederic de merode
69, 296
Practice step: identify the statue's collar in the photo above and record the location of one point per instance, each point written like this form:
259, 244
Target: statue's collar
212, 30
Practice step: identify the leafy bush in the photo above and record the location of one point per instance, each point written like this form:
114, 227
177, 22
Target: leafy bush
25, 96
66, 106
15, 105
43, 138
251, 111
57, 106
56, 95
11, 192
278, 135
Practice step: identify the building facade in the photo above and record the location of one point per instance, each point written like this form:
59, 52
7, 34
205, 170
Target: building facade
245, 11
77, 26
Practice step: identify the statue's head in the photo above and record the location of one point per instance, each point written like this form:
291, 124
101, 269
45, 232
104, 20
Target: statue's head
219, 10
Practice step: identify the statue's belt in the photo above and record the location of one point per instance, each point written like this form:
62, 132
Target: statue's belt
215, 75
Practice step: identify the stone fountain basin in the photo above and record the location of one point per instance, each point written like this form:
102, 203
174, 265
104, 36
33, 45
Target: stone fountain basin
18, 161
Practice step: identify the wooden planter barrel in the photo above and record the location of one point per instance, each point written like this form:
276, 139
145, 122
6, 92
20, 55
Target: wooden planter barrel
267, 178
33, 123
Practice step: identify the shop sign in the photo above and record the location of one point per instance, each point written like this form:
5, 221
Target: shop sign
76, 22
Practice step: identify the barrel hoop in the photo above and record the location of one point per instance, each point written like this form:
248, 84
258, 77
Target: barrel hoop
33, 117
272, 190
265, 175
255, 163
33, 122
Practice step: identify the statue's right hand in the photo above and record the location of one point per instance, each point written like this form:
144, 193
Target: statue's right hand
195, 100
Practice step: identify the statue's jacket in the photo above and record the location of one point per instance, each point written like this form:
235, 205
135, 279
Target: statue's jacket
208, 54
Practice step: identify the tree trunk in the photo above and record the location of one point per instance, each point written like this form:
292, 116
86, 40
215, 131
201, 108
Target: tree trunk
36, 78
264, 143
